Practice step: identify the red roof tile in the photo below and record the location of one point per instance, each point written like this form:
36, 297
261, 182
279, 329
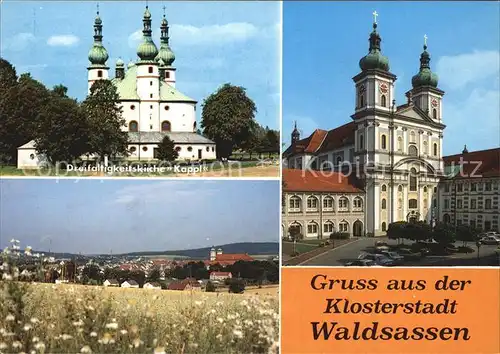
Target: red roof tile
317, 181
477, 164
221, 274
338, 137
233, 257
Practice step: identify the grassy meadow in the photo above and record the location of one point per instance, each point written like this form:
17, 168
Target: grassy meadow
67, 318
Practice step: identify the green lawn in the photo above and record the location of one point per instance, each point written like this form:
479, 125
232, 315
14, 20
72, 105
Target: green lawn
299, 247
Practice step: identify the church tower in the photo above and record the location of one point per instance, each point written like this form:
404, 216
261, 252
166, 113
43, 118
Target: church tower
148, 79
98, 55
295, 134
425, 93
166, 56
374, 98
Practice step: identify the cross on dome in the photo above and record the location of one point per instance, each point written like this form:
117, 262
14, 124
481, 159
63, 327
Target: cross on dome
375, 14
425, 39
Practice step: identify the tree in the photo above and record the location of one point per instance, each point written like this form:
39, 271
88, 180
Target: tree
444, 233
105, 120
20, 104
154, 275
166, 150
60, 90
210, 288
92, 272
466, 233
272, 141
227, 118
236, 286
62, 130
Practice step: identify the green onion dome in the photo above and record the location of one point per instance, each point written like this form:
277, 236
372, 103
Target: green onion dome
98, 55
374, 59
425, 76
147, 50
165, 53
120, 63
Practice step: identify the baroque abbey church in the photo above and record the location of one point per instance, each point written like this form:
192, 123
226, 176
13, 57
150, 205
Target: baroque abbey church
386, 164
151, 104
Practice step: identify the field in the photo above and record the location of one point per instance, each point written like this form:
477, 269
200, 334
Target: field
48, 318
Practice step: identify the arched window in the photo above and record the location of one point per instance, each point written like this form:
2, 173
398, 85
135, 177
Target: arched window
343, 204
425, 189
357, 203
312, 228
361, 100
434, 113
328, 227
400, 203
344, 226
339, 160
133, 126
412, 137
400, 143
412, 150
383, 101
383, 142
446, 218
150, 70
165, 126
295, 204
384, 188
384, 204
328, 203
412, 204
435, 149
312, 203
400, 188
361, 144
384, 226
413, 180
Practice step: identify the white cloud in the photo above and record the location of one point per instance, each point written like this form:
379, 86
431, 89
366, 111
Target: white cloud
19, 42
63, 40
189, 35
457, 71
481, 109
215, 34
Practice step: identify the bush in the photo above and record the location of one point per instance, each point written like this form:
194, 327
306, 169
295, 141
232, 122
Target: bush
210, 288
237, 286
339, 236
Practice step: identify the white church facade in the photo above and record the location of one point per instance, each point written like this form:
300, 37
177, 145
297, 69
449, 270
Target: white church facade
393, 153
151, 104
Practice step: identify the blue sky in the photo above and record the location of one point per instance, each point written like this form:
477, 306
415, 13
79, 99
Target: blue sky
96, 216
214, 43
323, 42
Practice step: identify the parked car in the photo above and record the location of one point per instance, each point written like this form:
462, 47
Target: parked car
490, 240
361, 263
396, 257
409, 255
379, 259
489, 233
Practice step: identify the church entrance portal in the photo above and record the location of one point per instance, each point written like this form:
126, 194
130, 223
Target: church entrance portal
357, 229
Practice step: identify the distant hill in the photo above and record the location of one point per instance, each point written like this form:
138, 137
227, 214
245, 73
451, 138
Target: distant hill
252, 248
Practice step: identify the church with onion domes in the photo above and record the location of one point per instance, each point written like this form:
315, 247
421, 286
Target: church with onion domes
151, 104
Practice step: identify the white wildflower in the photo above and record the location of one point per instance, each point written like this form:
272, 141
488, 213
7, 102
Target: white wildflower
17, 344
86, 349
40, 346
66, 336
78, 323
93, 334
159, 350
10, 317
27, 327
238, 333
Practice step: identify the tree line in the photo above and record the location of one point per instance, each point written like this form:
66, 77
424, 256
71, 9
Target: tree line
65, 130
442, 233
